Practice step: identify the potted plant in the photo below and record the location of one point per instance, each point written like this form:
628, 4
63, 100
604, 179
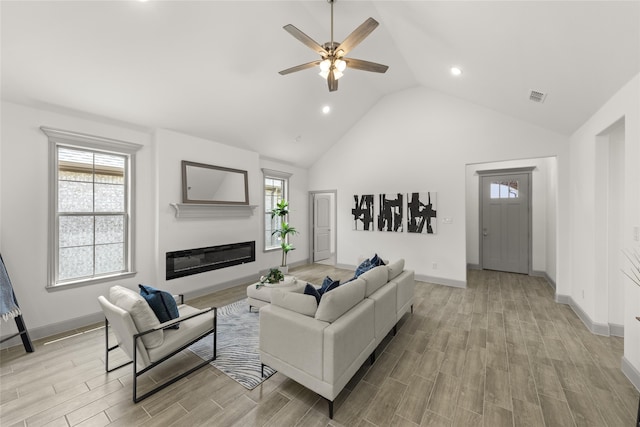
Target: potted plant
281, 211
274, 276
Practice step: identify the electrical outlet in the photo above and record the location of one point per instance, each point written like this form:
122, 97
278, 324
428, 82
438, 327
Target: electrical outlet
434, 265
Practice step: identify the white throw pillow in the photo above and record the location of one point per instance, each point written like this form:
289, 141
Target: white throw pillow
335, 303
300, 303
141, 313
395, 268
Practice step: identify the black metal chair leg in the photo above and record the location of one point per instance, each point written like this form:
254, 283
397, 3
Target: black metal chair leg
372, 358
330, 408
395, 329
411, 308
262, 370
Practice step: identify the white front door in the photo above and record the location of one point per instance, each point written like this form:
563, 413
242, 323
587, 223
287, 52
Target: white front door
505, 201
321, 227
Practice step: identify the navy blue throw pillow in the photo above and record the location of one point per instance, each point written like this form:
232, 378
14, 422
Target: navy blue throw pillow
311, 290
363, 267
332, 286
325, 284
162, 303
377, 261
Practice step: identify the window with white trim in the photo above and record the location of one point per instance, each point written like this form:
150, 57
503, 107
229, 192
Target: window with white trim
276, 185
91, 220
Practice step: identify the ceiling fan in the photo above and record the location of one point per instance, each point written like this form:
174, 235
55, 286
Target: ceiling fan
333, 61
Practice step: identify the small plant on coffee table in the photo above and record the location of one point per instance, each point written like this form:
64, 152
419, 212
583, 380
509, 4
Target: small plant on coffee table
274, 276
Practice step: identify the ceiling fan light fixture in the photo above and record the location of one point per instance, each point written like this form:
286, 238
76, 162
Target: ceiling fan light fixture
337, 74
341, 65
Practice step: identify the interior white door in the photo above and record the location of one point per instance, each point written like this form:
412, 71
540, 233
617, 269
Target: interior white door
321, 227
505, 222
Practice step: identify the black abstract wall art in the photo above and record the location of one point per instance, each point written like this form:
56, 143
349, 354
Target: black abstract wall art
390, 216
421, 213
363, 212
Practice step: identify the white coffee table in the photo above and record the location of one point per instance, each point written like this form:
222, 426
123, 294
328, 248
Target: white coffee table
260, 296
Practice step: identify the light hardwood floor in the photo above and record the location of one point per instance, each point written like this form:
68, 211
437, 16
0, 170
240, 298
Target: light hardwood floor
500, 352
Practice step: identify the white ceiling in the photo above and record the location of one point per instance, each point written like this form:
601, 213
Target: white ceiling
210, 68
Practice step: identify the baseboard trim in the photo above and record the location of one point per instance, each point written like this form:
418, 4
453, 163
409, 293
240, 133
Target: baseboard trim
422, 278
442, 281
84, 321
544, 274
616, 330
56, 328
630, 372
474, 267
594, 327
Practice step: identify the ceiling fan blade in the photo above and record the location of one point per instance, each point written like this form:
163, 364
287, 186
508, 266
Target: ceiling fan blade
308, 41
357, 36
359, 64
299, 67
332, 81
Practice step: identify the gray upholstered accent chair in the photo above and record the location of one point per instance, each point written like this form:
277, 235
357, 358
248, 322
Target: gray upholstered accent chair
145, 340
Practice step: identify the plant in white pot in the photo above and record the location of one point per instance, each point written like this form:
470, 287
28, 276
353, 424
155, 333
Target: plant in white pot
281, 211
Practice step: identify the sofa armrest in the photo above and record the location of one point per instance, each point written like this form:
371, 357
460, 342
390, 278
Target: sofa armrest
293, 338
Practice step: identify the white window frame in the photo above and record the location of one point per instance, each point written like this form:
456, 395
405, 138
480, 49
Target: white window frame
74, 140
272, 174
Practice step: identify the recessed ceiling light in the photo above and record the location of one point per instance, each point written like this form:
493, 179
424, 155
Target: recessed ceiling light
456, 71
326, 109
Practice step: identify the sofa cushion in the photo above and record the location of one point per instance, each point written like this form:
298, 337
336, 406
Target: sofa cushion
337, 302
162, 303
375, 278
142, 315
395, 268
300, 303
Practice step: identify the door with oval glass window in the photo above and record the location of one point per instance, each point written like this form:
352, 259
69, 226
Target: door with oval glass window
505, 222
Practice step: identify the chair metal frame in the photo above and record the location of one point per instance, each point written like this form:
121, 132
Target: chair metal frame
136, 373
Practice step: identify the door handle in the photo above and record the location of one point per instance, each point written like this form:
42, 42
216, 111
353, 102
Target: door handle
485, 233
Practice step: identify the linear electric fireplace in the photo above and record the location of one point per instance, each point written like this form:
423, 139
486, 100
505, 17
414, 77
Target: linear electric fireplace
194, 261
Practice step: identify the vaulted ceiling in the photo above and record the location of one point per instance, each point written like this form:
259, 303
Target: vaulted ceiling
210, 68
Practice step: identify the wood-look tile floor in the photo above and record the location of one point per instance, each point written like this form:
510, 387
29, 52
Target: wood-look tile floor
500, 352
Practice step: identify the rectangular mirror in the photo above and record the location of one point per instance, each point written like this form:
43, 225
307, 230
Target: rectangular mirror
214, 184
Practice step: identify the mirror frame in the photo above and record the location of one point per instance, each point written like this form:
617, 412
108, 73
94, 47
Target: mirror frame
185, 197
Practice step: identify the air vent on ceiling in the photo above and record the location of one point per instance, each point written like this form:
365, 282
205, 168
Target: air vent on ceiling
537, 96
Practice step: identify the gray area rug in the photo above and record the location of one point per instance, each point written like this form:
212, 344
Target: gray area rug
238, 355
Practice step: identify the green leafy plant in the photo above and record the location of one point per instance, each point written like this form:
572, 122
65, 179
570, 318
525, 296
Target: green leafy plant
281, 211
274, 276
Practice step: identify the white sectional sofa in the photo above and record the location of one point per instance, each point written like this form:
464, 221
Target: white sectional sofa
321, 346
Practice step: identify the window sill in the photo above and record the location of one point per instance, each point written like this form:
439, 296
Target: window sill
92, 281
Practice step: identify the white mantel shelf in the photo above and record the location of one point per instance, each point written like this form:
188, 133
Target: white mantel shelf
194, 210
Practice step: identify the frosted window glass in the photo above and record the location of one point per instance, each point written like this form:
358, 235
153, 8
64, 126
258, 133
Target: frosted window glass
109, 258
109, 229
75, 196
75, 231
109, 198
75, 262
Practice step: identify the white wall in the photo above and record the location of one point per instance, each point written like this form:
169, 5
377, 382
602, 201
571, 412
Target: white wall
586, 264
541, 192
186, 233
24, 171
422, 140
